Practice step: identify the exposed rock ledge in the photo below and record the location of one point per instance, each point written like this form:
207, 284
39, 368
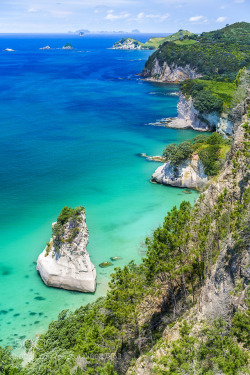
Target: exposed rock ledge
190, 174
189, 117
169, 73
69, 267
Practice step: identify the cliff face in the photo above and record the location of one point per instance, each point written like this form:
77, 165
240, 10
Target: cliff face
166, 73
189, 174
189, 117
225, 288
68, 266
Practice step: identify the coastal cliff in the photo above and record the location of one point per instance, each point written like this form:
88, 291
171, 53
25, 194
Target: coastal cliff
171, 73
189, 117
221, 306
189, 174
65, 262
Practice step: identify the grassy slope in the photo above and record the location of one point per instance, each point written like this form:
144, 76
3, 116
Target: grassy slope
154, 43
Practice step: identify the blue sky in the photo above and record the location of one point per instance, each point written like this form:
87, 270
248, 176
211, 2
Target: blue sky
148, 16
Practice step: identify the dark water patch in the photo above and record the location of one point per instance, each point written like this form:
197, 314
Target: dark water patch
5, 271
40, 313
26, 303
26, 276
23, 325
31, 290
3, 312
32, 313
9, 323
11, 310
15, 334
37, 321
17, 314
22, 337
37, 293
39, 298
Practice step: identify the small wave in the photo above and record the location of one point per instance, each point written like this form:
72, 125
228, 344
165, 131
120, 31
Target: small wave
163, 93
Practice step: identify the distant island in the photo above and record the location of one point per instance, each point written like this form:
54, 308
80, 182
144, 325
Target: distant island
86, 31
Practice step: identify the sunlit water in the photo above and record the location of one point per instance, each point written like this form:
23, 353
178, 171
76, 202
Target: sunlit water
72, 125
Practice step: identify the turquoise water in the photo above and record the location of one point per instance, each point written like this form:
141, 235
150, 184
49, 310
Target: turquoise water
72, 125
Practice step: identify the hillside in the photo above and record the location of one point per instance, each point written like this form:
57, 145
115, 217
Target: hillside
153, 43
218, 53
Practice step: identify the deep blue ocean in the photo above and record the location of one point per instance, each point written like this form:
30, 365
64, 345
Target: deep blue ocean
72, 125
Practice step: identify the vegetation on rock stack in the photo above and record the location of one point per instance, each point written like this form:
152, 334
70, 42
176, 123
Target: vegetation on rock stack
70, 216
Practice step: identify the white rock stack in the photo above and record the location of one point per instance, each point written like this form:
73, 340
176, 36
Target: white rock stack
67, 265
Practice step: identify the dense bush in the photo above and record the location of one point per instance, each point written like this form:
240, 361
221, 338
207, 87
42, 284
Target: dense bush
176, 154
211, 150
205, 102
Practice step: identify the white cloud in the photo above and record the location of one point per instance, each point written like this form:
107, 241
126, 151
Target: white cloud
239, 1
198, 19
32, 10
111, 16
221, 19
158, 17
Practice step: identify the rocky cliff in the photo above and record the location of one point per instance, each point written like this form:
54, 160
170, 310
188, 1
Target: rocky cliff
168, 73
65, 262
189, 117
224, 291
189, 174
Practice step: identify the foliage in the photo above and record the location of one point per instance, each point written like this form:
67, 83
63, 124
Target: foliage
176, 154
211, 150
206, 102
9, 365
222, 52
69, 213
222, 91
214, 350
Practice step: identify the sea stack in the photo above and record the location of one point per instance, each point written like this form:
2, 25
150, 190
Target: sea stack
65, 262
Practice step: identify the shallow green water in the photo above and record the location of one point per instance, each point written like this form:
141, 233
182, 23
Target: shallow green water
71, 132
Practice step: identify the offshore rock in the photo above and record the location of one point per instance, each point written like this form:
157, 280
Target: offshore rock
189, 174
69, 267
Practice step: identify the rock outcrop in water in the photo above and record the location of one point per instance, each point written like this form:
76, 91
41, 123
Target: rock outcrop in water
65, 262
189, 174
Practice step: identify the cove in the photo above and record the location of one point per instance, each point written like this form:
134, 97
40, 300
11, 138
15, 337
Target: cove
73, 124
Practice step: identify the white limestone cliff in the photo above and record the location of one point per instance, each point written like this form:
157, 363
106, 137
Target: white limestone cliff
69, 266
189, 117
169, 73
189, 174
